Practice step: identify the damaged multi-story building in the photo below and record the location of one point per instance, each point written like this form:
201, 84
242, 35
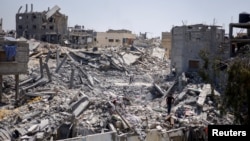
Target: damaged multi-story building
113, 38
189, 40
79, 37
49, 26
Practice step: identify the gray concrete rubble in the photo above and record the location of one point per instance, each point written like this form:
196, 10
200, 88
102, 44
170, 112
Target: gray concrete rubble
110, 94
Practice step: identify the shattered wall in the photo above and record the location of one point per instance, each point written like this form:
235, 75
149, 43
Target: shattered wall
37, 25
188, 41
19, 63
111, 39
166, 43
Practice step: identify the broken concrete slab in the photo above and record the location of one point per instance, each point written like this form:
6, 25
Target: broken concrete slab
129, 58
80, 105
158, 52
204, 92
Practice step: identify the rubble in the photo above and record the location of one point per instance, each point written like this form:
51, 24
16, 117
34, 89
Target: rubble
83, 93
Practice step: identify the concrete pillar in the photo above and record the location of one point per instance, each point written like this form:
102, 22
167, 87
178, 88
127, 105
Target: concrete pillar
26, 10
31, 10
41, 66
57, 57
48, 72
17, 87
60, 65
72, 78
230, 37
48, 56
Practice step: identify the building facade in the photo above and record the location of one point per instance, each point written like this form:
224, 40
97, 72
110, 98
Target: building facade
49, 26
189, 40
166, 43
114, 38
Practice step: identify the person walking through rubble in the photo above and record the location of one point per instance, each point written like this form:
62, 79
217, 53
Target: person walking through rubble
174, 71
169, 101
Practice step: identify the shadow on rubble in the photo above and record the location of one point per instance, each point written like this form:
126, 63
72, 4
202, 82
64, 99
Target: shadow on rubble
3, 104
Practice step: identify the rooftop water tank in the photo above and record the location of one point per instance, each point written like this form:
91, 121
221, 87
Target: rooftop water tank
244, 17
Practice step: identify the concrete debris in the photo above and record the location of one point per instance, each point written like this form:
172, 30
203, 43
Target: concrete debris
33, 45
88, 95
158, 52
80, 105
129, 58
202, 96
159, 89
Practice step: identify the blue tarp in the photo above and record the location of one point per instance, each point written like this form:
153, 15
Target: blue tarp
10, 51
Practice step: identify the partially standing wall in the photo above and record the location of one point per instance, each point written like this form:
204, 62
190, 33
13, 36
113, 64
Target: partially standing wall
16, 64
14, 57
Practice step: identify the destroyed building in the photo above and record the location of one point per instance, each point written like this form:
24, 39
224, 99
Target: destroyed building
49, 26
143, 35
239, 44
113, 38
1, 27
166, 43
189, 40
142, 40
79, 37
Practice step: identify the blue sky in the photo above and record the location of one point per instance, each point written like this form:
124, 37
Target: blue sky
152, 16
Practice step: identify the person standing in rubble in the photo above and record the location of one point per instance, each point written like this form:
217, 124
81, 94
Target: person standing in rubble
174, 71
169, 101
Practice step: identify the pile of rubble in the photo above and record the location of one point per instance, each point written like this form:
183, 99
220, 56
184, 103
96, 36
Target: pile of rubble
71, 93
